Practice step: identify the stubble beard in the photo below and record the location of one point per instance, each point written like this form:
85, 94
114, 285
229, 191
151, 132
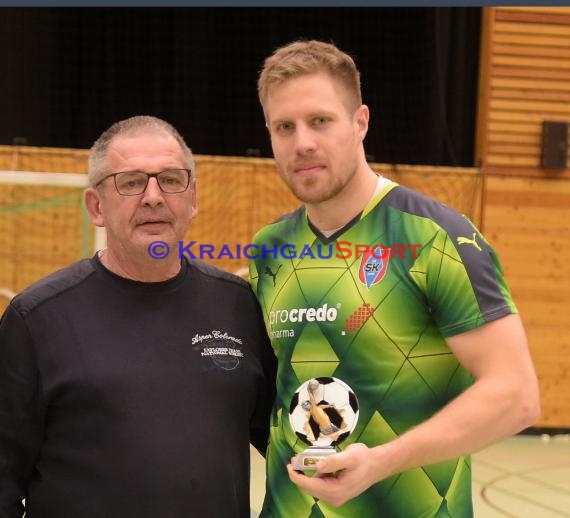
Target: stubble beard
307, 189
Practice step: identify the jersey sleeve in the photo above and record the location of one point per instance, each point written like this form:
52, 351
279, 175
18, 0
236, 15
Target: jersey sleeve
21, 424
462, 279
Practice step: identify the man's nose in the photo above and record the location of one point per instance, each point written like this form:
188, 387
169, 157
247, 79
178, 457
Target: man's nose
152, 195
305, 139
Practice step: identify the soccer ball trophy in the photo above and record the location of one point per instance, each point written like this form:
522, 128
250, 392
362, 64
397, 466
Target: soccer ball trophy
323, 413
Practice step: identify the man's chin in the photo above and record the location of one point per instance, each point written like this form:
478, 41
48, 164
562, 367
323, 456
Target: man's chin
311, 190
145, 242
312, 196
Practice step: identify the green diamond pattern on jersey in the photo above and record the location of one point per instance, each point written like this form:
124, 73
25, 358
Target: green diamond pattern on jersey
384, 338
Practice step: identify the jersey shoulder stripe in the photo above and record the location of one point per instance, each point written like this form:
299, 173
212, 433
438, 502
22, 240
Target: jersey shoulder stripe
478, 257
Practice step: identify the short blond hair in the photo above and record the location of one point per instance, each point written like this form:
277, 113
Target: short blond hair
309, 57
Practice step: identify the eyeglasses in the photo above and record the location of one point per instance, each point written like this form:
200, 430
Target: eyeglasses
131, 183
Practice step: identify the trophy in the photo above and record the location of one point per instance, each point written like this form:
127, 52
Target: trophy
323, 413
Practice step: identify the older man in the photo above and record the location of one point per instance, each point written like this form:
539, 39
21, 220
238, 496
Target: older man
132, 386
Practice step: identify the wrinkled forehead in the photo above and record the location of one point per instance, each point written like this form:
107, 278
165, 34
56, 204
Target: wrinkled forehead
144, 150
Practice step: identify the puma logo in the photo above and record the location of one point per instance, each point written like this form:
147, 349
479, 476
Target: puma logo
466, 241
273, 275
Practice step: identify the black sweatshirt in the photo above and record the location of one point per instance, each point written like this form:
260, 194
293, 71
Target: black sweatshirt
127, 399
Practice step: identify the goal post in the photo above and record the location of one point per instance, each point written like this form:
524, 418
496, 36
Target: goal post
44, 226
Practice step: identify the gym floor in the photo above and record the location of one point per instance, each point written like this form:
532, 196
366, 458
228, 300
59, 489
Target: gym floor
523, 476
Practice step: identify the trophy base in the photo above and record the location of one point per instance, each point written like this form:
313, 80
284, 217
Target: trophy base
306, 461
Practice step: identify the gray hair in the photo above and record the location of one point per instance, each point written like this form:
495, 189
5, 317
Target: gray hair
140, 124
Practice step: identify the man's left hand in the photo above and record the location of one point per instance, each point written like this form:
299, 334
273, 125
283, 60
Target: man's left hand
340, 477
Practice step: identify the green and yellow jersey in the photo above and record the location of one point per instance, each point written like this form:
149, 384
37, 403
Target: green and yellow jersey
372, 305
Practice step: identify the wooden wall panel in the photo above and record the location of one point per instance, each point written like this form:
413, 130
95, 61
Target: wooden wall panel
528, 223
44, 228
525, 80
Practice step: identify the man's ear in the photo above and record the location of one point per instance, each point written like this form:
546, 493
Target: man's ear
361, 118
93, 204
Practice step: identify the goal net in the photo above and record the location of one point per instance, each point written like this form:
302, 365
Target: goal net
43, 226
